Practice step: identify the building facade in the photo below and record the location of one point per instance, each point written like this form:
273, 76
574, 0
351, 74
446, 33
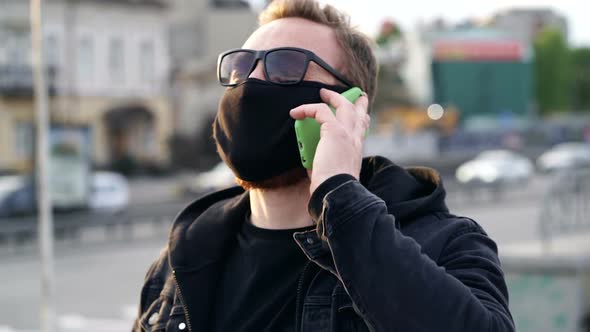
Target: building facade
485, 74
108, 66
199, 31
525, 24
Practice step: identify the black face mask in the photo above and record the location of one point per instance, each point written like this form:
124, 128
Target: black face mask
254, 132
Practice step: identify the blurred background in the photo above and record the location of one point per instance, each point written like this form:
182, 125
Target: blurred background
495, 96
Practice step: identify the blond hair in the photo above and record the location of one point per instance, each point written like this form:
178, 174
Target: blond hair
360, 66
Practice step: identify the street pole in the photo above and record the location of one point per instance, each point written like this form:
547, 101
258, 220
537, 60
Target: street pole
43, 193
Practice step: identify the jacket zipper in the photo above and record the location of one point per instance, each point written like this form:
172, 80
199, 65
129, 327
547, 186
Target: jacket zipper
298, 304
188, 319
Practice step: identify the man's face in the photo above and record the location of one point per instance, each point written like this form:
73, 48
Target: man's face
302, 33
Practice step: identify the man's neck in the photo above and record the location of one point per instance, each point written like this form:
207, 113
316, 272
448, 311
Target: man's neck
282, 208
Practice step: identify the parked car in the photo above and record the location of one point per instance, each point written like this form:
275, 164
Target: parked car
17, 196
495, 167
565, 156
220, 176
108, 191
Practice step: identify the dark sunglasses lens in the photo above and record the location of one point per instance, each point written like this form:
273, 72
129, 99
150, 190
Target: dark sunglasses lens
235, 67
285, 66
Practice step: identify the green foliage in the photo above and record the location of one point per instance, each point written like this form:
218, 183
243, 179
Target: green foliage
552, 71
580, 61
389, 31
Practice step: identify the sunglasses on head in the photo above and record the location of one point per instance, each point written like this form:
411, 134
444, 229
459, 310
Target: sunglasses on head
282, 66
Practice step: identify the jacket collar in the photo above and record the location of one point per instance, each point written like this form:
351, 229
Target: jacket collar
201, 235
202, 232
408, 192
205, 230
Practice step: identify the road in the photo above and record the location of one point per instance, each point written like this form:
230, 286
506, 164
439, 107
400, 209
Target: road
98, 283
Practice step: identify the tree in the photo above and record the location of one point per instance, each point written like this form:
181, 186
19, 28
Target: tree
391, 88
580, 61
389, 31
552, 71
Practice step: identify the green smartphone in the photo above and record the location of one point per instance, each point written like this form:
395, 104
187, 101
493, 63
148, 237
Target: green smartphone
308, 131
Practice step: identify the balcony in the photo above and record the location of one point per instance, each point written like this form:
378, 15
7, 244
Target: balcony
229, 4
17, 81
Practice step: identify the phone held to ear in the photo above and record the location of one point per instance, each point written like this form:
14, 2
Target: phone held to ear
308, 131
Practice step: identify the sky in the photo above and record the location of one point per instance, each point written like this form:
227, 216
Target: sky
368, 14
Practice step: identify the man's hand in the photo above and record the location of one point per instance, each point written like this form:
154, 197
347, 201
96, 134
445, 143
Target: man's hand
340, 149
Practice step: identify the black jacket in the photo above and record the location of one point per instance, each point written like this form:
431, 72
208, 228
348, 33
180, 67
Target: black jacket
386, 256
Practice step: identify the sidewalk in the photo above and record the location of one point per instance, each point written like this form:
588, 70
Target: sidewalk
566, 251
549, 283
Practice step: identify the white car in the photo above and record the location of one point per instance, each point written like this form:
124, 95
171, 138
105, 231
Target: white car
565, 156
108, 191
495, 167
220, 176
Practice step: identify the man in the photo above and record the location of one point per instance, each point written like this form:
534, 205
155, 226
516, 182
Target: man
352, 245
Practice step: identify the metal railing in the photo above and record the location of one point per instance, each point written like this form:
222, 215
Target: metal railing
17, 80
565, 209
18, 232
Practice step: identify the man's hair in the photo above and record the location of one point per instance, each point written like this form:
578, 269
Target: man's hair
286, 179
360, 64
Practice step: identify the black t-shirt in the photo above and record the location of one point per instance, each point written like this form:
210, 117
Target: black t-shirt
257, 291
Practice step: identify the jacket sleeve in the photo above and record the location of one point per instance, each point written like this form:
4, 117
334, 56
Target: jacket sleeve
394, 286
152, 286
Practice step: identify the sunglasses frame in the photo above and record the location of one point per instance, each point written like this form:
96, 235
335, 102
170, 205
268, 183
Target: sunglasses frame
262, 54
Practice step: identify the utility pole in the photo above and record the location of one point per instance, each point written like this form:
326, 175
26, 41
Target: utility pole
43, 193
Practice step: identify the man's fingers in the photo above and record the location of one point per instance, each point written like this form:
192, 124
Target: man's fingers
362, 104
320, 112
333, 98
345, 111
362, 125
354, 117
361, 108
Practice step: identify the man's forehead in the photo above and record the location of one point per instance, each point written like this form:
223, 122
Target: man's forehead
296, 32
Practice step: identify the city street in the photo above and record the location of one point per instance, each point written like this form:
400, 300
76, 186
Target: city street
98, 283
114, 116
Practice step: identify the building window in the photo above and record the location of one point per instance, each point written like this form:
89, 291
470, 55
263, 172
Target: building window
147, 62
17, 47
51, 51
116, 60
85, 59
23, 140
